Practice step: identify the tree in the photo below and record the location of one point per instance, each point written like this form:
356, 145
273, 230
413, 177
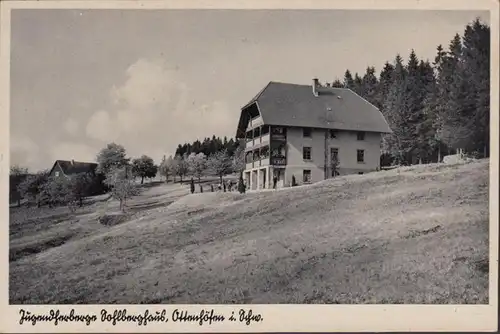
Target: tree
180, 166
16, 176
31, 187
81, 186
397, 114
476, 74
144, 167
370, 85
358, 85
337, 84
414, 97
61, 191
110, 157
196, 164
166, 167
239, 159
456, 120
122, 187
348, 80
384, 84
220, 164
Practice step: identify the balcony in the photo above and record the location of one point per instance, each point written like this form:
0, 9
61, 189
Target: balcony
257, 156
255, 122
258, 141
278, 161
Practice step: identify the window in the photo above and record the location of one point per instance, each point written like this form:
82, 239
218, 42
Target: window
306, 153
57, 174
361, 135
307, 132
361, 155
333, 134
360, 173
306, 175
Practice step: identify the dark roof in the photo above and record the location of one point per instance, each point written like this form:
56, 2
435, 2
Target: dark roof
76, 167
335, 108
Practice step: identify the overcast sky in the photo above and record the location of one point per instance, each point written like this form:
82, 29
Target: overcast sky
151, 79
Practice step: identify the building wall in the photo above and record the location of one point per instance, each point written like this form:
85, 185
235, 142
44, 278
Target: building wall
56, 168
347, 144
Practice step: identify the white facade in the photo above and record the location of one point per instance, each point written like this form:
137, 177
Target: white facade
349, 145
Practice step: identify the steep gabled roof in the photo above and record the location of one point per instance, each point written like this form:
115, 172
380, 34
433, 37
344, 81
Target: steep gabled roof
75, 167
335, 108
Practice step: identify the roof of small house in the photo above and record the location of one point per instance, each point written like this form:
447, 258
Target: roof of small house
288, 104
75, 167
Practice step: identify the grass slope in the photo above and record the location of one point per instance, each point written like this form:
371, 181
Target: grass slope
412, 235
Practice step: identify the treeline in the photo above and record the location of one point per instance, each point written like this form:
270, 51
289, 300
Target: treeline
208, 146
434, 108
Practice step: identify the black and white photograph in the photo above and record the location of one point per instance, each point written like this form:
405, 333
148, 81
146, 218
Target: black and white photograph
249, 156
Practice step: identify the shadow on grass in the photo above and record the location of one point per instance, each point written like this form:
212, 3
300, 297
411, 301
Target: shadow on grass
38, 247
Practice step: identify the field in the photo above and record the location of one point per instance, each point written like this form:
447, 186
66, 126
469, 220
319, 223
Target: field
411, 235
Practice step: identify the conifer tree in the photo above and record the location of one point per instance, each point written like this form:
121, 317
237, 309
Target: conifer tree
348, 80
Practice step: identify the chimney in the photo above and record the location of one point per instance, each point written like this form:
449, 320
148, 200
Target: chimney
315, 86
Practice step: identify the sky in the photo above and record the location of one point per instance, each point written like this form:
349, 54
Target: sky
152, 79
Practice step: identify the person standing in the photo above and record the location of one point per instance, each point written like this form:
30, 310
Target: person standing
275, 182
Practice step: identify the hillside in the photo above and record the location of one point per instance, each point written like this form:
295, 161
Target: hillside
413, 235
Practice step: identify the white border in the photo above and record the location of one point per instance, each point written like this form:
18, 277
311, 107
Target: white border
277, 318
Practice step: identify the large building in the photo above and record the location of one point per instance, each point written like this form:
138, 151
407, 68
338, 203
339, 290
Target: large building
308, 132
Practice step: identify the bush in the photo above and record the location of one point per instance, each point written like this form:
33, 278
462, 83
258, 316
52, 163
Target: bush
112, 219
